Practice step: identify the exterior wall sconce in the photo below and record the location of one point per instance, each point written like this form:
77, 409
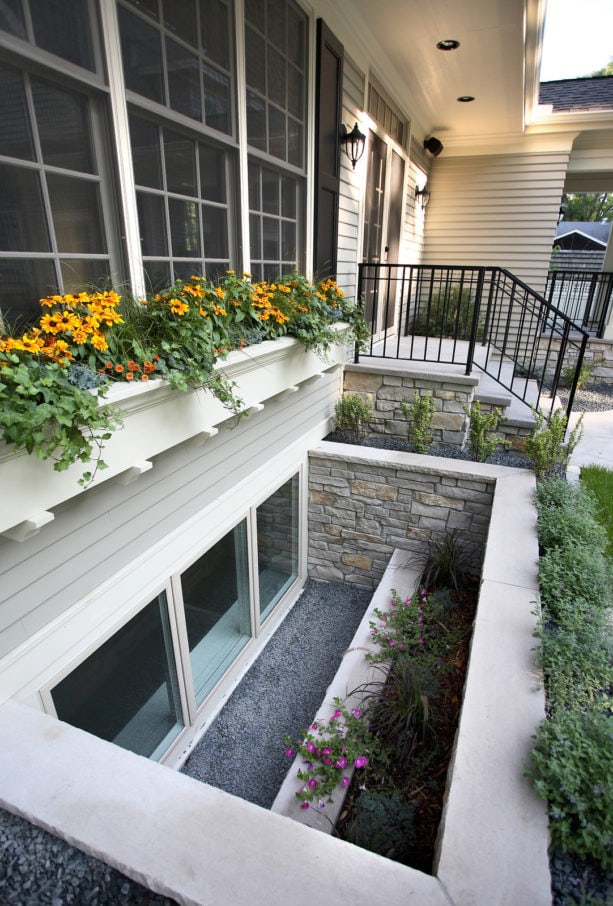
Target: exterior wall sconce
353, 142
433, 145
423, 194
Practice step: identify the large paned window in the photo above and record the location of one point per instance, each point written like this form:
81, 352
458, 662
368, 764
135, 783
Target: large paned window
141, 171
53, 234
183, 188
146, 683
275, 58
127, 691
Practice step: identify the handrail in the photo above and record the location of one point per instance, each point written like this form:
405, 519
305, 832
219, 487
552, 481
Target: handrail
441, 312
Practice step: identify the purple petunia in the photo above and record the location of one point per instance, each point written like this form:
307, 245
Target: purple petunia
341, 762
361, 761
289, 753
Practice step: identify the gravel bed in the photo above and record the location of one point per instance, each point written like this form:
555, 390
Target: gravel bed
243, 752
596, 398
38, 869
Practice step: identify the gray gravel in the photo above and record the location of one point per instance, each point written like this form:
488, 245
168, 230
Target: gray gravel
596, 398
243, 752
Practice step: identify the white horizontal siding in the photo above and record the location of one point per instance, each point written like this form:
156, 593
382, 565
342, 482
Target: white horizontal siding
104, 530
351, 183
499, 210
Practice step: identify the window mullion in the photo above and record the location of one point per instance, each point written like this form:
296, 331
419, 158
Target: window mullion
121, 134
241, 125
182, 656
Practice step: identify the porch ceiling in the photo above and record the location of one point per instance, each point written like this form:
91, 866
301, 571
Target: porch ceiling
495, 62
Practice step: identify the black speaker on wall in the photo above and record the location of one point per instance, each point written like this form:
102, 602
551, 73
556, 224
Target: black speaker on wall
433, 145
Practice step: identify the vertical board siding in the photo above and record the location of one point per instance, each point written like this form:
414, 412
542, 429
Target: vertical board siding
105, 529
499, 210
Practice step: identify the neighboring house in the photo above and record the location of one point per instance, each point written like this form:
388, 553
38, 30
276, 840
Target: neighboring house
145, 140
580, 245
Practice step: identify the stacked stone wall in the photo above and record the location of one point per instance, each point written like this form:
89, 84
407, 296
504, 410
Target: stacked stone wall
362, 508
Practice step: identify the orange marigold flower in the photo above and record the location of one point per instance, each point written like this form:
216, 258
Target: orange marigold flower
109, 366
129, 376
144, 377
148, 367
133, 366
119, 369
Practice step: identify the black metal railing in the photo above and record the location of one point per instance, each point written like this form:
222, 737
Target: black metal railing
586, 297
479, 317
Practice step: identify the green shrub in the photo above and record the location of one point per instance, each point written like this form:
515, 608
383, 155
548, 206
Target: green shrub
353, 413
450, 314
585, 373
447, 562
482, 437
576, 661
419, 415
599, 481
574, 578
572, 769
382, 823
545, 444
570, 520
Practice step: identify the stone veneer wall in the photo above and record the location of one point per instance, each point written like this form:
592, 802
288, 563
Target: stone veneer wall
387, 389
363, 505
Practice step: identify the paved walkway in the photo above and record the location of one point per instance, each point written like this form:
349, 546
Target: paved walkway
596, 447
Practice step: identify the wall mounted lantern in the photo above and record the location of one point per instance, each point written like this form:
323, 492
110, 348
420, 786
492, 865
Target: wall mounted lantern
353, 142
423, 194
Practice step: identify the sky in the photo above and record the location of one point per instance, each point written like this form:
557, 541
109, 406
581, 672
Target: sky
578, 38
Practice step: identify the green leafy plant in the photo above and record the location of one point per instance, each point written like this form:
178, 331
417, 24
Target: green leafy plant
572, 769
383, 823
482, 437
353, 413
448, 313
419, 415
599, 481
585, 373
545, 444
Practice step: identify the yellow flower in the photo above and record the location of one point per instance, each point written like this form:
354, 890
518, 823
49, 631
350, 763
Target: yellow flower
79, 335
219, 292
178, 307
110, 316
51, 323
98, 342
219, 310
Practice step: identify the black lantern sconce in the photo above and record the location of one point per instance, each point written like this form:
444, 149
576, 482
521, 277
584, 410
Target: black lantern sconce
433, 145
353, 142
423, 194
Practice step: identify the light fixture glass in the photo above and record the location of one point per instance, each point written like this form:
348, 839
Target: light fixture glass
423, 195
353, 143
465, 98
448, 44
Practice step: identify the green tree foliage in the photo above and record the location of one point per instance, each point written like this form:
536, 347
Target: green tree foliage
596, 207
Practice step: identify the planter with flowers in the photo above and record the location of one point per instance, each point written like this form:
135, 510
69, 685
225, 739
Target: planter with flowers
100, 384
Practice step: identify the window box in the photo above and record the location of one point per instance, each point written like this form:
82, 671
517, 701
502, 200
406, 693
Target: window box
157, 418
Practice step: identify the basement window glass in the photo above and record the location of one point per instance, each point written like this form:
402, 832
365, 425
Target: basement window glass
277, 527
127, 691
215, 593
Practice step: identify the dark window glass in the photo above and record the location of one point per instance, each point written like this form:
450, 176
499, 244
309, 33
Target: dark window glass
271, 245
62, 27
157, 275
255, 237
146, 160
276, 133
15, 134
22, 283
256, 121
180, 156
82, 273
141, 52
295, 92
255, 13
77, 214
277, 527
255, 60
184, 228
216, 30
23, 226
296, 36
288, 244
270, 192
180, 18
127, 691
295, 142
148, 6
11, 18
63, 127
215, 229
152, 224
275, 22
212, 174
216, 99
276, 77
183, 80
288, 196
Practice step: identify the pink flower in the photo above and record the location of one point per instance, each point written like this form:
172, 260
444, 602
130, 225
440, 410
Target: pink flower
341, 762
313, 783
327, 760
313, 726
289, 753
420, 641
392, 643
310, 747
327, 750
304, 805
356, 712
361, 761
345, 781
336, 715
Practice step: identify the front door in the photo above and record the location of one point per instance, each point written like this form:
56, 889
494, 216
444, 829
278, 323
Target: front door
382, 223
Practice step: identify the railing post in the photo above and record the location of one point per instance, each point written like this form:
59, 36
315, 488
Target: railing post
360, 302
571, 398
475, 324
605, 295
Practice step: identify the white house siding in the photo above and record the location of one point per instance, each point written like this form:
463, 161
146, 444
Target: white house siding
496, 210
103, 531
350, 200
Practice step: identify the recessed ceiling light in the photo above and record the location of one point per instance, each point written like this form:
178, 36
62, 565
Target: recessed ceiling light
465, 98
448, 44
